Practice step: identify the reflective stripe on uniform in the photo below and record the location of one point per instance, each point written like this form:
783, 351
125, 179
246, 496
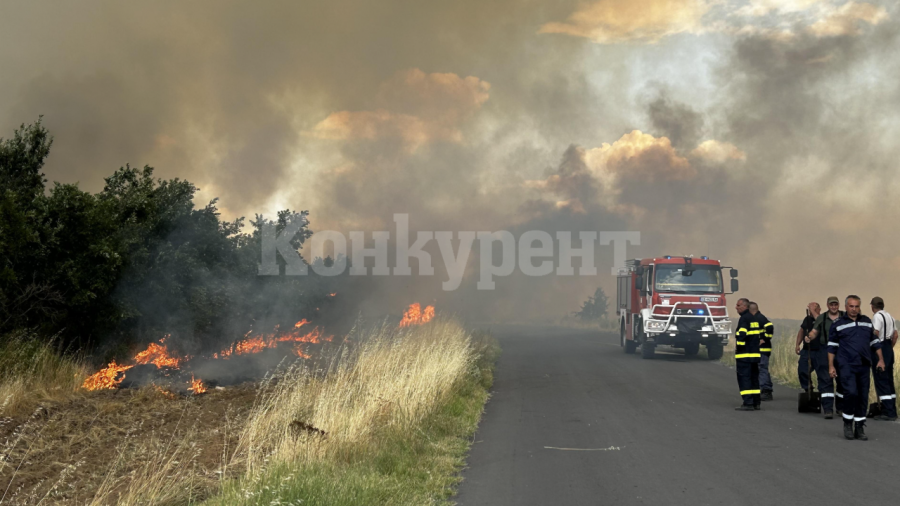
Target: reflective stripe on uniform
833, 344
865, 324
754, 325
749, 392
740, 343
859, 419
845, 326
839, 395
886, 397
765, 349
873, 341
747, 355
827, 395
847, 417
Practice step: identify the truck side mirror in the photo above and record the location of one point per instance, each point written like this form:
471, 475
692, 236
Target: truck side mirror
639, 270
639, 283
734, 285
734, 273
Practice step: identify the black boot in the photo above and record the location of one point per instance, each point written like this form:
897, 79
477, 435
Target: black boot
848, 429
767, 395
744, 407
860, 432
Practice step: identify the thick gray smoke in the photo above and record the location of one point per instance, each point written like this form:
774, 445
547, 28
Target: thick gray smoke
758, 134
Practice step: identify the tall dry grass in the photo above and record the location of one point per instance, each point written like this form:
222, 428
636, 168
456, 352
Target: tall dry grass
384, 423
382, 419
33, 371
391, 380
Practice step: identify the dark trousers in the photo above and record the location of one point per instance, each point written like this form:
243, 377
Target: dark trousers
855, 380
748, 381
765, 381
838, 386
825, 384
884, 381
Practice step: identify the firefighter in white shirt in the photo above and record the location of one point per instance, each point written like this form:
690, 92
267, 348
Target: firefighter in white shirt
883, 325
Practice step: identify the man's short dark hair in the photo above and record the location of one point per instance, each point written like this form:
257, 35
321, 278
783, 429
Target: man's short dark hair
854, 297
744, 300
752, 305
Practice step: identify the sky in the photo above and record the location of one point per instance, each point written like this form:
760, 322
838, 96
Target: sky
760, 132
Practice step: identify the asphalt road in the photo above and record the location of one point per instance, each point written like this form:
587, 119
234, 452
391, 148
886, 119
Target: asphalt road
630, 431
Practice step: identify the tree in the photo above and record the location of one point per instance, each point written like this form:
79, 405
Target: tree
134, 262
594, 309
24, 296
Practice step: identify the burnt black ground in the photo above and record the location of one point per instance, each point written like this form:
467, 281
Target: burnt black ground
670, 427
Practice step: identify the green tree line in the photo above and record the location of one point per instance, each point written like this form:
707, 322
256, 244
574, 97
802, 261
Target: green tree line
99, 272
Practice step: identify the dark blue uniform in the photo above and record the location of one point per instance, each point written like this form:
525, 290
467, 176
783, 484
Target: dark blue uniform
853, 343
746, 356
765, 350
828, 387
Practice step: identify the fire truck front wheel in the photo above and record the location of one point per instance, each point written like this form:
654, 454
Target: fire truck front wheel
714, 351
647, 349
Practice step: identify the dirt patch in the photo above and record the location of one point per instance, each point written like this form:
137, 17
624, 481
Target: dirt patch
65, 453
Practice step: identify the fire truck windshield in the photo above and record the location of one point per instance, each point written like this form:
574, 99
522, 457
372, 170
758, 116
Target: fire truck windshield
703, 279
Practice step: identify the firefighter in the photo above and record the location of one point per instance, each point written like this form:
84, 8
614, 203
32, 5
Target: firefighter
765, 351
804, 348
746, 356
853, 340
829, 387
884, 380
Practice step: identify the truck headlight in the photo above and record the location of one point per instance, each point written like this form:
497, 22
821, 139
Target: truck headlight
656, 325
723, 327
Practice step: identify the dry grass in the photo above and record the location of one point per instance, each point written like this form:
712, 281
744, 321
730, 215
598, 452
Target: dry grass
387, 415
328, 436
134, 446
32, 371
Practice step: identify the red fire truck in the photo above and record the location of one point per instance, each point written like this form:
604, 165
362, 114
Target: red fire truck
674, 301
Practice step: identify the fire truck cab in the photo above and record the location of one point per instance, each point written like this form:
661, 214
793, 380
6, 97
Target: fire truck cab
674, 301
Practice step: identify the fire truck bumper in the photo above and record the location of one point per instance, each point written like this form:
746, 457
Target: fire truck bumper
670, 335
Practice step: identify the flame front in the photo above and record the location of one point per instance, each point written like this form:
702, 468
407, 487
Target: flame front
415, 315
105, 379
197, 386
262, 342
158, 355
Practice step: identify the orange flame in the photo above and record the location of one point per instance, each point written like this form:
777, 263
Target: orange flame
158, 355
164, 392
197, 386
105, 379
298, 350
262, 342
416, 316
